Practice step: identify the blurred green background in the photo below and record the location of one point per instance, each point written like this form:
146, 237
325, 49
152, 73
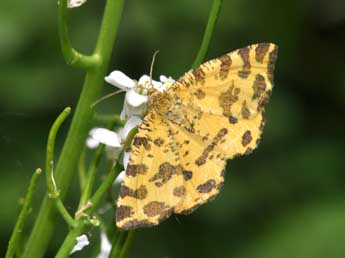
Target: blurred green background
284, 200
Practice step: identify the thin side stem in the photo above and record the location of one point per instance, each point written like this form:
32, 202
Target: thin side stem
212, 20
127, 244
91, 176
18, 228
52, 189
72, 56
65, 214
75, 141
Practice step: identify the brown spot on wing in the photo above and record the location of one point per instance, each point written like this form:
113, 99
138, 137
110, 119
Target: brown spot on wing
246, 138
165, 173
179, 191
187, 175
220, 135
271, 63
207, 187
138, 141
227, 99
261, 51
139, 193
244, 54
264, 100
133, 170
155, 208
199, 94
224, 66
244, 110
123, 212
159, 142
233, 120
199, 75
259, 86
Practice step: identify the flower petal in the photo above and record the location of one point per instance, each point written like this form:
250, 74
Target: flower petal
82, 241
134, 99
146, 82
120, 80
132, 122
75, 3
105, 246
126, 157
144, 79
129, 111
106, 137
163, 78
92, 143
120, 177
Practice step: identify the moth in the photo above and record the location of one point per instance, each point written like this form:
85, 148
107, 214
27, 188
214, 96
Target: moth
213, 113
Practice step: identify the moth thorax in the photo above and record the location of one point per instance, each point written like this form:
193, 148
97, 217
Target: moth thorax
161, 102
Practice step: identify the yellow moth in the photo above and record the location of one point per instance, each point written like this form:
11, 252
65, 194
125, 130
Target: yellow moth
212, 113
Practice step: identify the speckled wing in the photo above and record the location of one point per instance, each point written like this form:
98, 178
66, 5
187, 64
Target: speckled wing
154, 177
220, 106
178, 156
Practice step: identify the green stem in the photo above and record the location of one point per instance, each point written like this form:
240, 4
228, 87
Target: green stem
72, 56
18, 228
127, 244
108, 181
82, 170
95, 201
212, 20
67, 164
70, 241
52, 189
91, 176
117, 243
104, 118
64, 213
97, 197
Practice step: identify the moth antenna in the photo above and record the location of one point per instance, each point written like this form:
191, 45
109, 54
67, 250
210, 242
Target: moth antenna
152, 63
106, 97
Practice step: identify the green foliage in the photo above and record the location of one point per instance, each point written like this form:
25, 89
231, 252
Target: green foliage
285, 200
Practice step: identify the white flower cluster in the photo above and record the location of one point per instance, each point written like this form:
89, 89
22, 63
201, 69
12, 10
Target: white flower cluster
134, 107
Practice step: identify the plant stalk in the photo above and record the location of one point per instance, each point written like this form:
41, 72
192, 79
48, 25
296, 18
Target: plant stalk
67, 165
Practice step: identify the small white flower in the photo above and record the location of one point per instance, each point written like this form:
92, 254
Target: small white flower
75, 3
102, 135
132, 122
82, 241
122, 174
105, 246
166, 82
120, 80
136, 98
126, 157
135, 106
120, 177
